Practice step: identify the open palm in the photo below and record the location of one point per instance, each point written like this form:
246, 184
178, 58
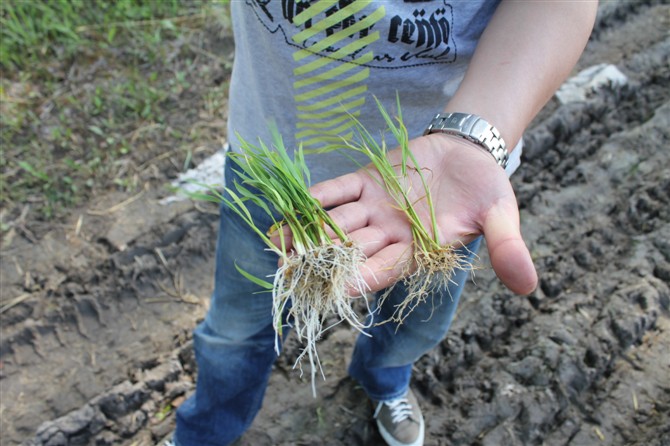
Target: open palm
471, 194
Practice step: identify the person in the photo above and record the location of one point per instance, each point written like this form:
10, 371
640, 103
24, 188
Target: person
307, 67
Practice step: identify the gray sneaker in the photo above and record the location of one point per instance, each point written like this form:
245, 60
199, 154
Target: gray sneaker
168, 441
400, 421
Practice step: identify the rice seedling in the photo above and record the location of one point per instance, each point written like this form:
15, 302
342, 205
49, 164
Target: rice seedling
433, 264
316, 269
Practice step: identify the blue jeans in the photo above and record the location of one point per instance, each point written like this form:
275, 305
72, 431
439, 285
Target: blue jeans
234, 345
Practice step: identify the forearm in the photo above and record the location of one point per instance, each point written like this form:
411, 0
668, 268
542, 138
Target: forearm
526, 52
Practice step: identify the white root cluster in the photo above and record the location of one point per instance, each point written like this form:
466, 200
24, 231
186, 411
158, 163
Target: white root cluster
433, 273
314, 285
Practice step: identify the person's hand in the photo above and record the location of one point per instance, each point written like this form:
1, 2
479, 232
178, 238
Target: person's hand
471, 194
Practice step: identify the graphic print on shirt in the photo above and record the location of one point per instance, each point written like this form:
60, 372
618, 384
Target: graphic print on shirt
334, 53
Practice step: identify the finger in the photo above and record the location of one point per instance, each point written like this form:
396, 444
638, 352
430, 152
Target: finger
385, 267
350, 217
340, 190
509, 255
281, 235
372, 239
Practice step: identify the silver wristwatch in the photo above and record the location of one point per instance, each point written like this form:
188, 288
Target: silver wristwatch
474, 129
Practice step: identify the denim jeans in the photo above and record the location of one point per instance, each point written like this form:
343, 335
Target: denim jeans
234, 345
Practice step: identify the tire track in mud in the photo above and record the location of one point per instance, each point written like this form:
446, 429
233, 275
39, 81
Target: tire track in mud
102, 331
580, 361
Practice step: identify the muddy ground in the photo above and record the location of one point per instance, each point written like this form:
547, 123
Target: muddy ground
97, 311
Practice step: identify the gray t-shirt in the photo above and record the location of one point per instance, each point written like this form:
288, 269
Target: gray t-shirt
307, 66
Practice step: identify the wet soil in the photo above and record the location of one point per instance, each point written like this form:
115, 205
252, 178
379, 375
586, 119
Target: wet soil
97, 312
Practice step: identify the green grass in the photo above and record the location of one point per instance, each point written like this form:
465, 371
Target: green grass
33, 29
93, 91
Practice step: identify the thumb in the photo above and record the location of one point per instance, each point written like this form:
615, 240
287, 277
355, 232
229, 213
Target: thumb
508, 252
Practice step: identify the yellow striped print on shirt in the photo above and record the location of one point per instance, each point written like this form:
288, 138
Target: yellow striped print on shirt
328, 90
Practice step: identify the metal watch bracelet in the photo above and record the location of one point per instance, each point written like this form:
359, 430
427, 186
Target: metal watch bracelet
474, 129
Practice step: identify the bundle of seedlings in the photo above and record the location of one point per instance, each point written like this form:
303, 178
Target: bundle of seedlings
433, 264
316, 270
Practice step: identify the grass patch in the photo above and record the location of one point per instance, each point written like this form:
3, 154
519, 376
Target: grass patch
31, 30
100, 95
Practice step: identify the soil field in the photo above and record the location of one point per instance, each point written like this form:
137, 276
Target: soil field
97, 310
